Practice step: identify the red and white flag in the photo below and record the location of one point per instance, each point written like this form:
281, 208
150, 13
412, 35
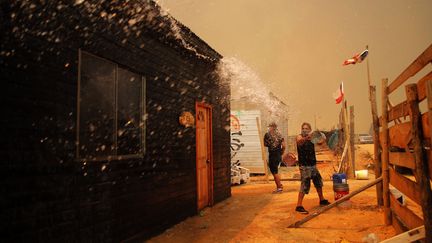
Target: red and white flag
339, 94
358, 58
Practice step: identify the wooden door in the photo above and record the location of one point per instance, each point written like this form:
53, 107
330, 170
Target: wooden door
204, 162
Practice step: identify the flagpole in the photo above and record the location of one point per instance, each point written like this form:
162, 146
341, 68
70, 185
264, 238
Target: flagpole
375, 123
368, 74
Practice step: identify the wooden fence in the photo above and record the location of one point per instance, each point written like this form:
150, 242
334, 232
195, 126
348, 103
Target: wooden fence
405, 139
346, 140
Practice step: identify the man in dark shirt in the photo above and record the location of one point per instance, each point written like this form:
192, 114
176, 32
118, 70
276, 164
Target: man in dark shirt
274, 141
308, 170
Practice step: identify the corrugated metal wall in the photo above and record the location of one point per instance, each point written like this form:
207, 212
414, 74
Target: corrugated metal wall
245, 142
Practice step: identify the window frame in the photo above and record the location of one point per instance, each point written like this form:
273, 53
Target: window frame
142, 105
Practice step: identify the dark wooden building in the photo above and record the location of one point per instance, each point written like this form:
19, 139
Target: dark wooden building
91, 144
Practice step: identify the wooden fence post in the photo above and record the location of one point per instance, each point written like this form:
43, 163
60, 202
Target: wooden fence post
352, 147
343, 136
377, 152
385, 154
350, 174
421, 161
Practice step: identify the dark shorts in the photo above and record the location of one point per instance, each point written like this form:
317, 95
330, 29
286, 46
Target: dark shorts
307, 174
274, 161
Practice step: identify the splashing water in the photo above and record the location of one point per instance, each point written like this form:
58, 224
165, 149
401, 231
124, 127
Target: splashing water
245, 83
177, 33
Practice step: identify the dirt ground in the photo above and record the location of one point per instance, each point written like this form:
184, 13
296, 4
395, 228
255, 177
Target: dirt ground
254, 214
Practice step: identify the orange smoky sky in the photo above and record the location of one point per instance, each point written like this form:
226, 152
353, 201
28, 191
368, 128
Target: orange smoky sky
297, 47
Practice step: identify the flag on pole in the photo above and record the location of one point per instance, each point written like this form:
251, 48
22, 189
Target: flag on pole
339, 94
358, 58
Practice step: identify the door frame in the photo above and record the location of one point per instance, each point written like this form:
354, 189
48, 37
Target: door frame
209, 150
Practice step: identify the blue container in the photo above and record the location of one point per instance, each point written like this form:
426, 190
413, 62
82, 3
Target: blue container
339, 178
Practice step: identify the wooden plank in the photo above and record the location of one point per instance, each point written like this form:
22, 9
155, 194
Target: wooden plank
409, 236
412, 69
399, 135
421, 86
402, 159
408, 217
398, 225
406, 186
425, 125
400, 110
335, 203
385, 154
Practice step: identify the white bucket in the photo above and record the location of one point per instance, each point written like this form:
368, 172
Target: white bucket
361, 174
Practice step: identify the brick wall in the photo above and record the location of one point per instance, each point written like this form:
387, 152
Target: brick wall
47, 194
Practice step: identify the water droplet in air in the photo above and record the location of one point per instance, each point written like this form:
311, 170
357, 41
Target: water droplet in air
132, 22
